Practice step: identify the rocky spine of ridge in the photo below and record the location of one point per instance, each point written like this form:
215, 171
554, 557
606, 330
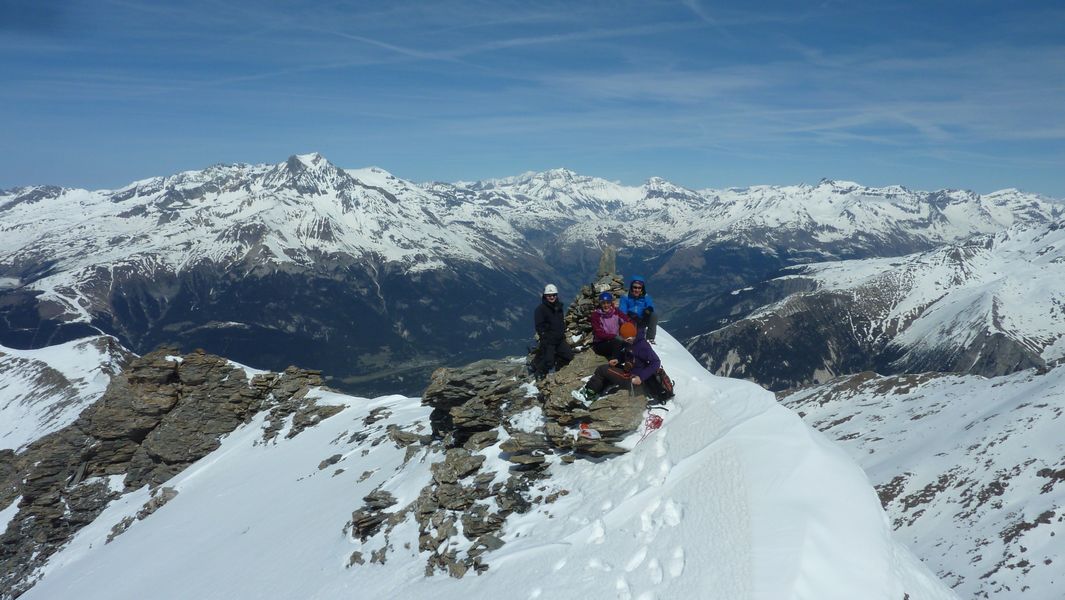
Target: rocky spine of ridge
159, 416
482, 405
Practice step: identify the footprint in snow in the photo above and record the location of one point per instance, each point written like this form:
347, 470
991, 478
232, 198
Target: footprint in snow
622, 587
598, 533
636, 560
672, 513
654, 571
599, 565
676, 562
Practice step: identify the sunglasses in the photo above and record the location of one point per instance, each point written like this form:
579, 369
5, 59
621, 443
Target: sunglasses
637, 287
551, 295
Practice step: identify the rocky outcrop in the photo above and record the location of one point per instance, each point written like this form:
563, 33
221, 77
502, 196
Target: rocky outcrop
462, 511
160, 415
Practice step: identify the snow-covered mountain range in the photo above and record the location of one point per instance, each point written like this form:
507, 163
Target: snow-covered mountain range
732, 498
990, 305
966, 467
357, 272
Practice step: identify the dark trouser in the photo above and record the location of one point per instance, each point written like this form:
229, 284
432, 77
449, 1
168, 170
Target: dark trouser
605, 374
650, 323
552, 354
607, 348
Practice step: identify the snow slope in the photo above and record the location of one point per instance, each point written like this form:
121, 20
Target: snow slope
969, 470
733, 498
44, 390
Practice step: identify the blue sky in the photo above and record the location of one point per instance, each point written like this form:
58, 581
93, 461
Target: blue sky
706, 94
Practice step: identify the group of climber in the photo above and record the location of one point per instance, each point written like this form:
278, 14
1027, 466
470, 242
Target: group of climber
623, 334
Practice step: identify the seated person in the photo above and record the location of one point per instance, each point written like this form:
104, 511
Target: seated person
606, 323
635, 363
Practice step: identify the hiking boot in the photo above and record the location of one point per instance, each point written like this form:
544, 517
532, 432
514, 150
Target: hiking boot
584, 395
652, 342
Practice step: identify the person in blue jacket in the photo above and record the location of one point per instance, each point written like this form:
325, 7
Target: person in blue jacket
640, 308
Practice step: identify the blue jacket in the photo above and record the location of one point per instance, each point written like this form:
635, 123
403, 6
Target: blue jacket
634, 307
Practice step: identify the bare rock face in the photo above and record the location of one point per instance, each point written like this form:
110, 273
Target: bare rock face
160, 415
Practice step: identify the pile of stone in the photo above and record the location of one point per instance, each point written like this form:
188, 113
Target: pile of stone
154, 420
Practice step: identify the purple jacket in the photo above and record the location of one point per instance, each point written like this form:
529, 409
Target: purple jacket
605, 325
645, 363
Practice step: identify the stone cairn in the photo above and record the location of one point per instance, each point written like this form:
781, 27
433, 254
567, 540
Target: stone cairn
163, 413
474, 407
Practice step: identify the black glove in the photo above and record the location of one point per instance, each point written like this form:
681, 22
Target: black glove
633, 315
647, 312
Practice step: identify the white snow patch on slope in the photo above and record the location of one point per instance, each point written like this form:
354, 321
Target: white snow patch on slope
45, 389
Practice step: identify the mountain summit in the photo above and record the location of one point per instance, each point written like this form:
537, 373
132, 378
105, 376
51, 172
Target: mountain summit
731, 498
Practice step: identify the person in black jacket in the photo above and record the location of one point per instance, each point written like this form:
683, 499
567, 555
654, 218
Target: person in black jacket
551, 330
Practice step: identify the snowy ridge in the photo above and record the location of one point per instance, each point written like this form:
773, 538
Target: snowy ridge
733, 498
44, 390
969, 469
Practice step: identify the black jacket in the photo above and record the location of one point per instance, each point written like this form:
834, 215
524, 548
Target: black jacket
549, 321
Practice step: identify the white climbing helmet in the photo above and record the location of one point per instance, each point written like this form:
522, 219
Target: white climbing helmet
550, 289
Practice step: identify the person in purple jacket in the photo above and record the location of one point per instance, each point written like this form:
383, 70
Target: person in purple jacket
635, 364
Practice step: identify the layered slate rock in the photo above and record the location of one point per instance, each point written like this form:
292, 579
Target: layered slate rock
462, 511
163, 413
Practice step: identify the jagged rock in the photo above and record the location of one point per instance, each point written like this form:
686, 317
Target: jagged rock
457, 463
452, 387
476, 415
617, 414
478, 521
482, 440
365, 523
526, 449
473, 399
522, 443
309, 415
376, 415
453, 496
332, 460
597, 447
157, 417
160, 496
607, 262
403, 439
119, 528
379, 500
